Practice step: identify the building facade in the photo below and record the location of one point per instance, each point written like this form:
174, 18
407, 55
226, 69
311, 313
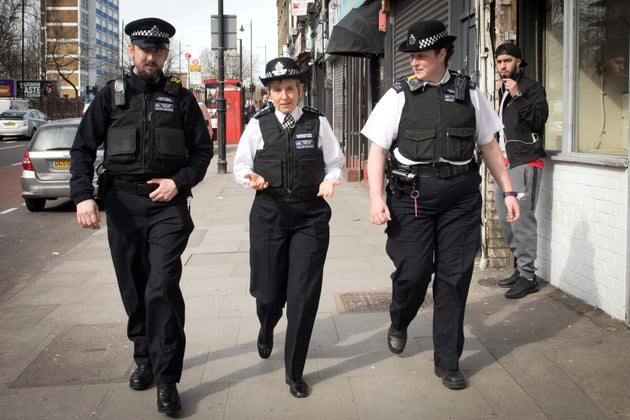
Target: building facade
80, 44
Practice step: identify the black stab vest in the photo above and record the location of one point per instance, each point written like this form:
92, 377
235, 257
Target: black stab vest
145, 136
435, 125
290, 161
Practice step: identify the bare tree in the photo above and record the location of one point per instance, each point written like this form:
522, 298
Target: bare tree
210, 64
18, 33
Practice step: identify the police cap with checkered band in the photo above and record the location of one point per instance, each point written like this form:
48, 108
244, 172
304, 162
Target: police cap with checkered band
150, 33
281, 68
426, 35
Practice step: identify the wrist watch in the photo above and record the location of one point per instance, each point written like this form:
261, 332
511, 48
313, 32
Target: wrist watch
518, 94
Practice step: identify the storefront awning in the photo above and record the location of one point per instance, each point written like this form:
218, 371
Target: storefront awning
357, 34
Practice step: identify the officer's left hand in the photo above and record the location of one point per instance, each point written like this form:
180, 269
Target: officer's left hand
327, 187
166, 190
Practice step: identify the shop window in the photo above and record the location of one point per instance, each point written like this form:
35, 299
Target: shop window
602, 77
553, 72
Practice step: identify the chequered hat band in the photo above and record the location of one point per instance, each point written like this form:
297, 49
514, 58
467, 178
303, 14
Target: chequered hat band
154, 32
426, 42
282, 72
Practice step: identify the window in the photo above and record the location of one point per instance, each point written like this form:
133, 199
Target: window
602, 78
553, 72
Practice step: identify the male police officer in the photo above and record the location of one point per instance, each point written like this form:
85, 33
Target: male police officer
430, 123
157, 147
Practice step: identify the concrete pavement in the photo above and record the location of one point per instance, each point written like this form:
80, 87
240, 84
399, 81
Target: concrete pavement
64, 352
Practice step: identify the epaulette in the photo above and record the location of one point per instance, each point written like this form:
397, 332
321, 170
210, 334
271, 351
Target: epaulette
398, 85
268, 110
313, 110
173, 85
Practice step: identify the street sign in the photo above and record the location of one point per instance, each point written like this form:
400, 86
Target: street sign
229, 30
188, 56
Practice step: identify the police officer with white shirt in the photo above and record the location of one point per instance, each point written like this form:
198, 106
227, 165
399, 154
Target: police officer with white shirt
427, 127
291, 157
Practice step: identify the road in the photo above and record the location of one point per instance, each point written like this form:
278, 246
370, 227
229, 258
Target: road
29, 241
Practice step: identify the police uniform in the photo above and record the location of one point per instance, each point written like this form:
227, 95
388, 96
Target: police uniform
289, 232
431, 131
149, 129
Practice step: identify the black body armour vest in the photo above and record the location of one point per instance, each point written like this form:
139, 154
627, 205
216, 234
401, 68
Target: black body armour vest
437, 121
290, 160
145, 136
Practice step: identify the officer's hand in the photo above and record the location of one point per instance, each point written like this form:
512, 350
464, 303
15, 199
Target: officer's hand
327, 187
256, 181
88, 215
166, 190
379, 212
513, 209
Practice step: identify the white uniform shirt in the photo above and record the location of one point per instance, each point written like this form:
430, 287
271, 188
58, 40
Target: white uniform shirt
252, 140
382, 125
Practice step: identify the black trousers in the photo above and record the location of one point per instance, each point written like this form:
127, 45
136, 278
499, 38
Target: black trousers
146, 240
288, 245
443, 239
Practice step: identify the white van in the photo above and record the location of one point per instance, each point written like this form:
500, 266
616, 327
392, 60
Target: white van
14, 103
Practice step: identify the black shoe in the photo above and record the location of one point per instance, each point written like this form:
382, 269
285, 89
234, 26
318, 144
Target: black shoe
297, 387
396, 340
264, 345
141, 378
168, 399
522, 288
452, 379
509, 282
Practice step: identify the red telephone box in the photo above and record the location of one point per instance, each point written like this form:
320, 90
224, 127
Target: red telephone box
233, 107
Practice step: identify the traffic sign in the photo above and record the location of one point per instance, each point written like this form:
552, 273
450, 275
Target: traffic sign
188, 55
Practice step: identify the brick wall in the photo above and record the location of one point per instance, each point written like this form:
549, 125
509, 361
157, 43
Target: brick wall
583, 231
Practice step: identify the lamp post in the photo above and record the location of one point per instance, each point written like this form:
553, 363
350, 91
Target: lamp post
251, 72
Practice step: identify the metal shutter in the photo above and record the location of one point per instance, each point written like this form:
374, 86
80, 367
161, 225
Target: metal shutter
406, 12
339, 103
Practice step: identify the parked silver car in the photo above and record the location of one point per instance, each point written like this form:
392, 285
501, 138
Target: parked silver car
46, 163
21, 122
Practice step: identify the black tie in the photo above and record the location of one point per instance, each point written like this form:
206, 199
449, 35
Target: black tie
288, 122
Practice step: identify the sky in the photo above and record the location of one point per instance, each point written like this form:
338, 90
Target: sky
191, 19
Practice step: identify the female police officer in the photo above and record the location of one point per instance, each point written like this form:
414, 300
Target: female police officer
291, 157
430, 123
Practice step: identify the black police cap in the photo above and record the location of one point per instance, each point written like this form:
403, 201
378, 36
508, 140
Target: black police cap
150, 32
426, 35
281, 68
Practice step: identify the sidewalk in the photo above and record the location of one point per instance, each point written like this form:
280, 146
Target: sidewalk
65, 355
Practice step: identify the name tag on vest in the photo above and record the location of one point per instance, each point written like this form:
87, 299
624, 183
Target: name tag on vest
164, 104
449, 95
304, 141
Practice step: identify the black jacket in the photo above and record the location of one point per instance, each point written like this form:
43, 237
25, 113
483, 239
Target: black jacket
96, 123
522, 117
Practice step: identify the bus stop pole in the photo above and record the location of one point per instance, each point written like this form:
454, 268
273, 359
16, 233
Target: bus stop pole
222, 162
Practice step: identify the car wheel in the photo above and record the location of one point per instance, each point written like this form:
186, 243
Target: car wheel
35, 204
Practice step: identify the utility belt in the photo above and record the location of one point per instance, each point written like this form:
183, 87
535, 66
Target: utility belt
404, 178
436, 170
140, 188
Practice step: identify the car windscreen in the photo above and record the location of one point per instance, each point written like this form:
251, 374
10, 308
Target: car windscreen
12, 114
54, 138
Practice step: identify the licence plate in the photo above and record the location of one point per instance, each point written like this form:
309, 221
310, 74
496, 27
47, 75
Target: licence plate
60, 164
9, 124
